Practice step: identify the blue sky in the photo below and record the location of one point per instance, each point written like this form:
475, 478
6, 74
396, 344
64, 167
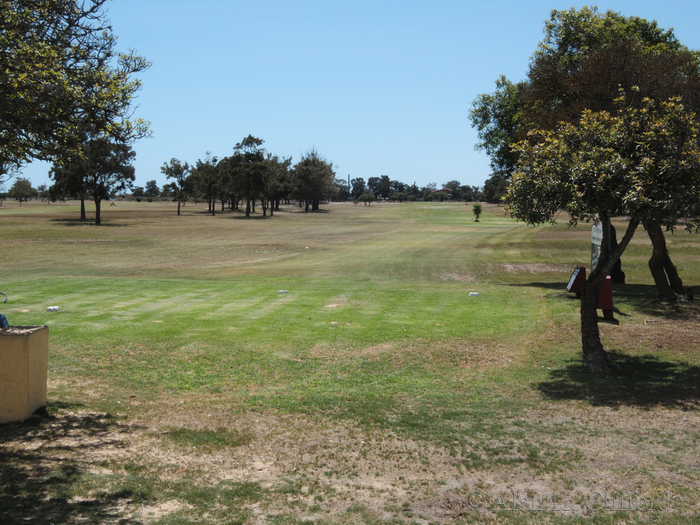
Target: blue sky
378, 87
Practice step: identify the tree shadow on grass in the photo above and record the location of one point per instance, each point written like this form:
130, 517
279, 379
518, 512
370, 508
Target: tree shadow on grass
643, 297
45, 462
646, 300
252, 217
89, 222
640, 381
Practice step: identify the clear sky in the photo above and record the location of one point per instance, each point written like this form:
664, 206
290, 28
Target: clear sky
378, 87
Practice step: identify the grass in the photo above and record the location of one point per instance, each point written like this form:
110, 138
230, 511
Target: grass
184, 386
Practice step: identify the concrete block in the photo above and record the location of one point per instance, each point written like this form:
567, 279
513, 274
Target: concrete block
24, 356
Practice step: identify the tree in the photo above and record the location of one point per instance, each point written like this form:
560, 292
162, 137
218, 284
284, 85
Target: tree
585, 58
152, 189
178, 172
21, 190
60, 74
384, 186
314, 179
472, 193
640, 162
69, 182
97, 169
109, 170
206, 177
413, 191
498, 118
43, 192
342, 190
272, 181
250, 168
582, 62
358, 187
476, 208
367, 198
169, 190
456, 189
495, 189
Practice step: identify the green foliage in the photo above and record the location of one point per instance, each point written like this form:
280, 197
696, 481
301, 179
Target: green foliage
205, 177
477, 210
358, 187
367, 199
314, 179
60, 74
497, 118
641, 162
152, 189
21, 190
178, 172
586, 57
100, 167
582, 62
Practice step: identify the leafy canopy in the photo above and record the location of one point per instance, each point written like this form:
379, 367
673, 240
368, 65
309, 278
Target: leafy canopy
60, 79
640, 162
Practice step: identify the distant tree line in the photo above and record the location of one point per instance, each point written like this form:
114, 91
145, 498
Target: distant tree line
251, 175
383, 188
248, 177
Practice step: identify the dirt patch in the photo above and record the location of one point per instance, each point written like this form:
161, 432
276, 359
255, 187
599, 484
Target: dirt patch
326, 351
657, 334
535, 268
315, 467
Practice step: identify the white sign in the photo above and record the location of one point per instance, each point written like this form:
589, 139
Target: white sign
596, 241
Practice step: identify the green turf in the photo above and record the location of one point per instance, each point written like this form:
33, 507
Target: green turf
376, 330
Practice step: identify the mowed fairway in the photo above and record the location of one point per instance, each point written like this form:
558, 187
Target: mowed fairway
185, 387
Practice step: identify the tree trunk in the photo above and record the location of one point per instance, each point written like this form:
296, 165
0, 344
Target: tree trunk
668, 282
178, 206
83, 217
247, 206
98, 219
594, 355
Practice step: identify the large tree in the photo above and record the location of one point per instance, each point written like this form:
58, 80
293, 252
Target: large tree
60, 78
582, 62
638, 161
